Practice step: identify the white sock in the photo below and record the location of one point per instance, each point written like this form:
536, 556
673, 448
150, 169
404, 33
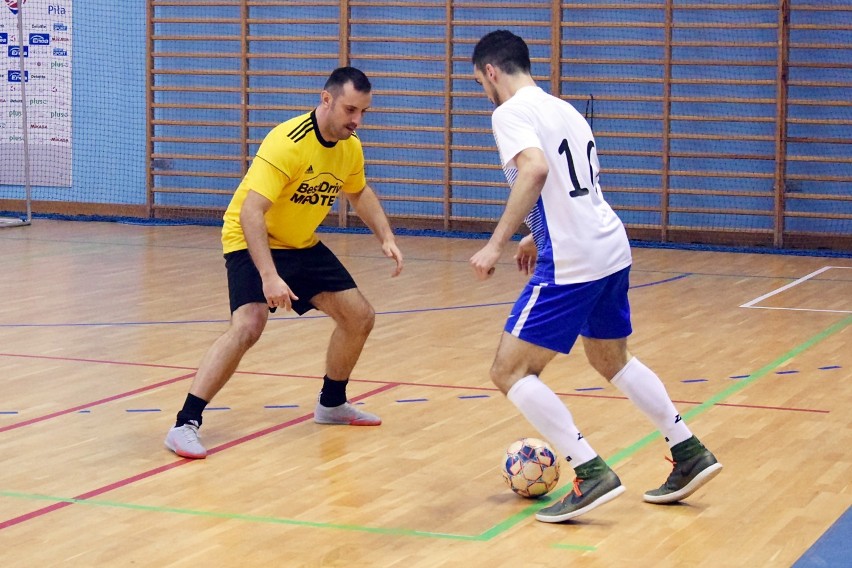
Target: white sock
546, 412
645, 389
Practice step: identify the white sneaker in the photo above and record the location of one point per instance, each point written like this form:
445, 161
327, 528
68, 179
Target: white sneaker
186, 442
344, 414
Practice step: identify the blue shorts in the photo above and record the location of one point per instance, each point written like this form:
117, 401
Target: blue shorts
553, 315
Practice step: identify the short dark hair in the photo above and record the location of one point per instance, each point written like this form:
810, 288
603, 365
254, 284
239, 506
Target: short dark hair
503, 49
343, 75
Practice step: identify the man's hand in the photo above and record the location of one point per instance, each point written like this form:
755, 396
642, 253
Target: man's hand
390, 250
526, 255
483, 261
278, 294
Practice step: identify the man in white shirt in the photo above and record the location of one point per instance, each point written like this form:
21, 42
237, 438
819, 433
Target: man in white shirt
580, 255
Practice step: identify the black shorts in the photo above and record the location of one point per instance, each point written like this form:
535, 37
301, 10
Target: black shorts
306, 271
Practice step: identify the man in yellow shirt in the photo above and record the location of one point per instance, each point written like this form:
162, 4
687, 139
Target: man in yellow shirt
275, 259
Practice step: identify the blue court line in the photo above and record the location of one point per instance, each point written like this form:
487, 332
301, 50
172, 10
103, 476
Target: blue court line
590, 389
694, 381
829, 368
217, 408
413, 400
515, 519
271, 318
740, 376
467, 396
143, 410
275, 406
833, 549
8, 411
786, 372
296, 317
672, 279
399, 231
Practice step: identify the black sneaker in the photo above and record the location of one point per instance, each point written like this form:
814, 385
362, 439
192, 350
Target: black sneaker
686, 478
587, 494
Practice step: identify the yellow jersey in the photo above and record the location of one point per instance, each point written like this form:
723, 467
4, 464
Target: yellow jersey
301, 174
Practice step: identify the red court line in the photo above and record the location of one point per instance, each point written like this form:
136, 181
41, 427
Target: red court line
62, 504
151, 365
182, 461
761, 407
374, 381
590, 395
94, 403
83, 360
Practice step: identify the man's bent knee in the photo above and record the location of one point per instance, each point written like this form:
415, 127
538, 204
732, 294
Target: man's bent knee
248, 323
349, 309
505, 377
515, 360
359, 318
503, 381
368, 319
607, 356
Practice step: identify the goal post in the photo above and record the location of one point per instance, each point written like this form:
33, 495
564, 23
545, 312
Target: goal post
27, 217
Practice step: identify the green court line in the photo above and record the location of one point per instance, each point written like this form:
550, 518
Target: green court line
704, 406
579, 547
736, 387
236, 516
831, 330
496, 529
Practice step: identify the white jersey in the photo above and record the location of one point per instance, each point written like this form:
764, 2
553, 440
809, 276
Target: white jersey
578, 235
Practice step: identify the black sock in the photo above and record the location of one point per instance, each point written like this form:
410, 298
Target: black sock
192, 409
333, 393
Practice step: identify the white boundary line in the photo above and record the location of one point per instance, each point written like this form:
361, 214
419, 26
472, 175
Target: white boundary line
799, 309
752, 303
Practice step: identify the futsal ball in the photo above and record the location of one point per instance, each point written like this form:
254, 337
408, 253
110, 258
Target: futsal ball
530, 467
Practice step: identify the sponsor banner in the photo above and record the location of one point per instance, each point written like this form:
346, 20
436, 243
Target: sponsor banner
44, 88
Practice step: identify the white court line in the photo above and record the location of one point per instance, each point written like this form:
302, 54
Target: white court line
799, 309
752, 303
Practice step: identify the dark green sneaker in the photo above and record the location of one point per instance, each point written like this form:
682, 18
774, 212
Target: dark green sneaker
686, 478
587, 494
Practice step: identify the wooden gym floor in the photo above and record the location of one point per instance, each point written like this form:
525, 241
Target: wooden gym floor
102, 326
